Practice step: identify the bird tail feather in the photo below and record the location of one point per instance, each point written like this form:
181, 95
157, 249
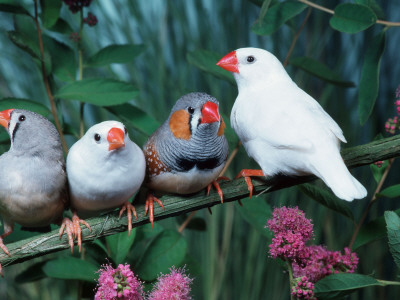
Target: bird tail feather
342, 183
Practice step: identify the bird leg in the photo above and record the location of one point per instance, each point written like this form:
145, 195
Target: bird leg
246, 173
129, 210
149, 206
7, 231
217, 187
73, 229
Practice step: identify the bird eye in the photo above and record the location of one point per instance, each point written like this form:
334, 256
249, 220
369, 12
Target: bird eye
250, 59
21, 118
97, 137
190, 110
126, 131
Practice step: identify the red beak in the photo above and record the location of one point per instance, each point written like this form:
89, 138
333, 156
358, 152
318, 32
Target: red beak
229, 62
210, 113
115, 138
5, 117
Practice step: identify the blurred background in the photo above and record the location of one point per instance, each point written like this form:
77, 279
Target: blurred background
230, 258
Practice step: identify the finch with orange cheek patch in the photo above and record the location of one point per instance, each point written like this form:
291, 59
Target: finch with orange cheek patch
105, 168
188, 152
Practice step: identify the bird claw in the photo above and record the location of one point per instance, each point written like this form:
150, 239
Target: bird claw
73, 230
149, 206
217, 187
5, 249
129, 210
246, 173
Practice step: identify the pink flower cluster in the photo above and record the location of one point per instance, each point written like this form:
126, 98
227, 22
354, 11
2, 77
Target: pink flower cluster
303, 289
76, 5
119, 283
392, 124
122, 284
91, 20
310, 263
379, 163
174, 286
323, 262
291, 232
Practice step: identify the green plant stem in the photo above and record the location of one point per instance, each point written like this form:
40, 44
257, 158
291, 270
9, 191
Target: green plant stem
296, 36
330, 11
290, 271
371, 202
46, 81
80, 61
386, 282
176, 205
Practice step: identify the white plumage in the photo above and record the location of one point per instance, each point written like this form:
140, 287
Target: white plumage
101, 179
282, 127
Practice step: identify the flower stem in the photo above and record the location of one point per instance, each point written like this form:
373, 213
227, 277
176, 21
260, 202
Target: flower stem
371, 202
46, 81
290, 271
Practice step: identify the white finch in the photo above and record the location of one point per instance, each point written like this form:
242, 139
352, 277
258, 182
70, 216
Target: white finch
105, 168
282, 127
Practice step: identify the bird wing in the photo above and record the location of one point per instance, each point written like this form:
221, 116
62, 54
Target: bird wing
285, 118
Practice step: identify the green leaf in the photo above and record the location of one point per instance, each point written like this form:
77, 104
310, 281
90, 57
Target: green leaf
11, 7
115, 54
372, 231
393, 231
374, 6
166, 250
136, 117
69, 267
207, 61
8, 103
98, 91
30, 45
327, 199
352, 18
391, 191
50, 12
62, 59
61, 26
338, 285
319, 70
32, 273
120, 244
369, 82
276, 16
256, 212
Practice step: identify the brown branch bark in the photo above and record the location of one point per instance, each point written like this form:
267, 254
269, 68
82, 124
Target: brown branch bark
175, 205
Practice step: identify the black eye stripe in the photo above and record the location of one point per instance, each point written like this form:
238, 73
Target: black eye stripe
14, 131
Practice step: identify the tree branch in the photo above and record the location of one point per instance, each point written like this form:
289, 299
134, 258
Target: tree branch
176, 205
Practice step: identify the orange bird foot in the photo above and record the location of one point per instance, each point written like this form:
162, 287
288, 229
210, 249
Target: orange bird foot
74, 231
5, 249
130, 209
246, 173
217, 187
7, 231
149, 206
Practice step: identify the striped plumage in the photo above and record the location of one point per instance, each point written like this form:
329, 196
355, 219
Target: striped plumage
189, 150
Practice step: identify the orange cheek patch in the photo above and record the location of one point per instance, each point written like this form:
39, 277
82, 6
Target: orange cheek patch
179, 124
221, 128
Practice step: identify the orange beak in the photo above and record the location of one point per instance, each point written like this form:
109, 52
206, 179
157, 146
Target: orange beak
5, 117
229, 62
115, 138
210, 113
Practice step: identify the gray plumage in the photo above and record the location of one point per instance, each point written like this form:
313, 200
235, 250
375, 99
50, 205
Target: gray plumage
33, 179
202, 156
